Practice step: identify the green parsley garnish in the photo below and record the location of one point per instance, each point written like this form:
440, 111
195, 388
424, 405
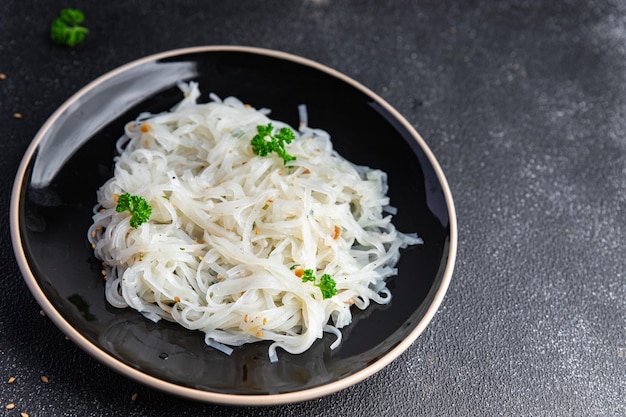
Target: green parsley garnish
265, 141
140, 210
66, 29
327, 284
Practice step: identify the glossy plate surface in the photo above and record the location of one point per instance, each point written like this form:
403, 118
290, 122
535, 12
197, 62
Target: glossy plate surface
72, 155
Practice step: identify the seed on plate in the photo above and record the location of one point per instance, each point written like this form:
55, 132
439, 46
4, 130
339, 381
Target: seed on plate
11, 380
17, 115
3, 76
44, 379
133, 397
23, 414
259, 334
10, 406
42, 313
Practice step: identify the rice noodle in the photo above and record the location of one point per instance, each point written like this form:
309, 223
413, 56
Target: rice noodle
229, 228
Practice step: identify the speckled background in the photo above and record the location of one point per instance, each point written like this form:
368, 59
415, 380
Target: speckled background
523, 104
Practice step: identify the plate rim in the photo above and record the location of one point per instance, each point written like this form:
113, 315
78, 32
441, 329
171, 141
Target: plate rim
190, 392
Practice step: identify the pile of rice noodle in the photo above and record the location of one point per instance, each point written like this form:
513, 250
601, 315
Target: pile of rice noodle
230, 230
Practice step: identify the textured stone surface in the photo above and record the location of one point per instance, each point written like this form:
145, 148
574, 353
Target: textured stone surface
523, 104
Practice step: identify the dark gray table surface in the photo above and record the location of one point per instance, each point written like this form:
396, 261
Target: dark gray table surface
524, 106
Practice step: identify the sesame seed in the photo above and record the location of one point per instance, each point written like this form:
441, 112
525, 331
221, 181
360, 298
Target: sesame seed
259, 334
133, 397
3, 76
264, 320
177, 299
11, 380
23, 414
17, 115
10, 406
42, 313
44, 379
246, 318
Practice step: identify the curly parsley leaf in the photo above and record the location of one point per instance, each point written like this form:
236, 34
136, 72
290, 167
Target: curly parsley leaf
140, 210
67, 30
327, 284
266, 142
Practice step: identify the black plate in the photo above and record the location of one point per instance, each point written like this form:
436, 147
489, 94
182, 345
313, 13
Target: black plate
72, 155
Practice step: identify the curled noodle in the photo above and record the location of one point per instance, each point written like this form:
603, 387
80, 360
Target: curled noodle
229, 229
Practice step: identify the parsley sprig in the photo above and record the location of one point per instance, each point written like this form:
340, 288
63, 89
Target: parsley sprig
265, 141
326, 284
67, 30
140, 210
